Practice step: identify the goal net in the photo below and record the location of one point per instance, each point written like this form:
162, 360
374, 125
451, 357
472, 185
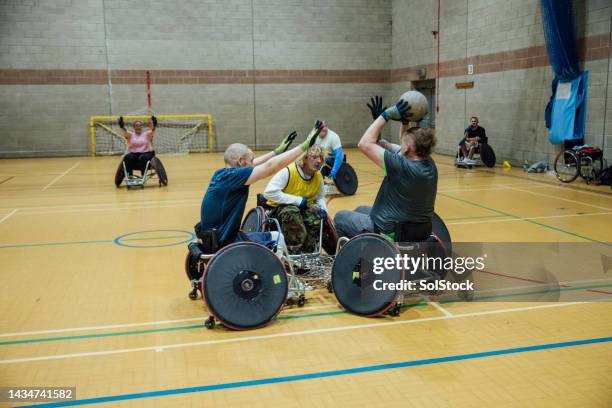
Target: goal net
174, 133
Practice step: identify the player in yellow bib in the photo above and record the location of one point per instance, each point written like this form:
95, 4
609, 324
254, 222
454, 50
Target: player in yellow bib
297, 192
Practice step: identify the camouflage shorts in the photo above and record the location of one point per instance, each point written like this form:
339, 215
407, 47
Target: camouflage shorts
300, 227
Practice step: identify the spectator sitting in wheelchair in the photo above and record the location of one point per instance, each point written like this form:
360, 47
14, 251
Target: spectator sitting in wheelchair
225, 199
473, 136
408, 191
299, 197
330, 141
140, 145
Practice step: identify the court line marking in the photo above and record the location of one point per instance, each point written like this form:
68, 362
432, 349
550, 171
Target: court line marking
60, 176
155, 323
278, 335
479, 220
7, 179
330, 373
559, 198
531, 221
443, 300
517, 218
6, 217
38, 210
437, 306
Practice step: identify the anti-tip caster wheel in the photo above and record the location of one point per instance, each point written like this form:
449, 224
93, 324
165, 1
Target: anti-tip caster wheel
210, 322
301, 301
395, 310
329, 286
193, 295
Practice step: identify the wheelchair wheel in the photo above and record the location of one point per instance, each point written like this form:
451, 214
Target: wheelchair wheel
160, 170
487, 155
253, 222
353, 277
346, 179
245, 286
330, 237
438, 228
567, 167
194, 269
119, 175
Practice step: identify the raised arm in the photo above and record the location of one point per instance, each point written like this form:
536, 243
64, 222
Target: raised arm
276, 163
121, 124
368, 144
153, 126
282, 148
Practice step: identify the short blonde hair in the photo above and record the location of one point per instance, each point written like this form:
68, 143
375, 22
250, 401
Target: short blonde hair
315, 150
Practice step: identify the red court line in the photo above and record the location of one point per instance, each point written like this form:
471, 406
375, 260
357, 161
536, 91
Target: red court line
6, 179
538, 281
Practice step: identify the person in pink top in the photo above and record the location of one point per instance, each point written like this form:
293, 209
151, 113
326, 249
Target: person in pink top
139, 145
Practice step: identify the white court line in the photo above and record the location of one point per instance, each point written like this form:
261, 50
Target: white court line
60, 176
559, 198
153, 204
544, 217
6, 217
126, 325
278, 335
440, 308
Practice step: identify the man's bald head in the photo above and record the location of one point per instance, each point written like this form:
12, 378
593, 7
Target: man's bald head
238, 155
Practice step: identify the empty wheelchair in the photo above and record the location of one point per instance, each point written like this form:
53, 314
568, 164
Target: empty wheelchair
314, 269
361, 291
483, 155
583, 161
153, 169
244, 285
346, 181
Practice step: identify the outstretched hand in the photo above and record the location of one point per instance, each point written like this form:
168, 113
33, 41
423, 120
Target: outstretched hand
121, 122
399, 112
376, 107
286, 142
312, 136
154, 121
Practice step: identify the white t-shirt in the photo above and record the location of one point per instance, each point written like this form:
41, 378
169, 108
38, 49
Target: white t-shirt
330, 142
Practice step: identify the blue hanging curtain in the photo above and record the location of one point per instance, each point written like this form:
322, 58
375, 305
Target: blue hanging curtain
558, 20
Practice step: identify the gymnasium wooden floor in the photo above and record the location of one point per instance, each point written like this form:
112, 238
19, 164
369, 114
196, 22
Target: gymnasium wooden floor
94, 295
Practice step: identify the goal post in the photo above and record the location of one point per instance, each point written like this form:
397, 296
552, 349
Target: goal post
173, 134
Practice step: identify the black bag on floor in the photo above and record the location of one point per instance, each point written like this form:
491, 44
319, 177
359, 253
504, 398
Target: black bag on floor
604, 177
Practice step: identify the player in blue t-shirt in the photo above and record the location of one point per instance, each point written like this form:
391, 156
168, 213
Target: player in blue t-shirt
224, 202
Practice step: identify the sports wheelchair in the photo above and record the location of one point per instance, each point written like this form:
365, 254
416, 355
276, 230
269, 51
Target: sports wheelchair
484, 155
346, 181
153, 169
313, 268
583, 161
353, 273
244, 285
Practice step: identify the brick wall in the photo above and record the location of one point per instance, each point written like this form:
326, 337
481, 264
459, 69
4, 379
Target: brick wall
256, 65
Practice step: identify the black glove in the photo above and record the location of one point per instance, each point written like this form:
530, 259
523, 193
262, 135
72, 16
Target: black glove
399, 112
154, 121
121, 123
376, 108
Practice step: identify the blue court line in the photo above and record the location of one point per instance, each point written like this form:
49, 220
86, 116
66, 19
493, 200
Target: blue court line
102, 241
325, 374
288, 317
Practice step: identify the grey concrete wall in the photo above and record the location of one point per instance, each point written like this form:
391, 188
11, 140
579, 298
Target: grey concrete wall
187, 35
510, 102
